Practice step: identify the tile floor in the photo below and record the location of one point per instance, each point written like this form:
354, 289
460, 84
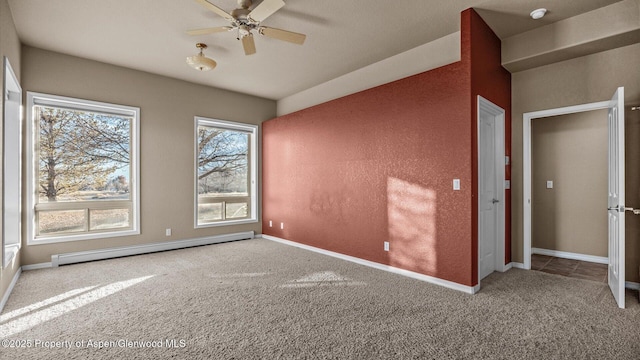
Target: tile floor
571, 268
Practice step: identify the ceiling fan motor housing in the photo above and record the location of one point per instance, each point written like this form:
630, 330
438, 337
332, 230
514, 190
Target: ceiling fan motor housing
240, 14
243, 22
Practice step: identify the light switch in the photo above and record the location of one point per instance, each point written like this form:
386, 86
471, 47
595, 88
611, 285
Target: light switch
456, 184
549, 184
507, 184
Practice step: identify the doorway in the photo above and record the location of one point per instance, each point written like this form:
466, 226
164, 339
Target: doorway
569, 161
491, 186
615, 186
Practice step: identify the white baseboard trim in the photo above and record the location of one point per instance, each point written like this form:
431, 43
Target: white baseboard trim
632, 285
517, 265
507, 267
5, 298
375, 265
36, 266
101, 254
570, 255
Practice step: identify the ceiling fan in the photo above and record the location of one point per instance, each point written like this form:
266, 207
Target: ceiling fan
244, 21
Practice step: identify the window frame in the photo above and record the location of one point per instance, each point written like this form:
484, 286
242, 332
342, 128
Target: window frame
12, 92
254, 153
41, 99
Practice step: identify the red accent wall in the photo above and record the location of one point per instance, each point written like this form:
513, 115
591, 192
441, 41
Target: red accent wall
493, 82
378, 166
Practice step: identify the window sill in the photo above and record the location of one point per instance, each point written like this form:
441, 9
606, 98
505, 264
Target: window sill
82, 237
226, 223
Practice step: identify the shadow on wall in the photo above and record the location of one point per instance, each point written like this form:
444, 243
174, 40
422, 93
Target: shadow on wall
632, 188
411, 213
543, 204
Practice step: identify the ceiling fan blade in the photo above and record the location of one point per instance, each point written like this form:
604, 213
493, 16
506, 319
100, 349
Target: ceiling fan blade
249, 45
283, 35
215, 9
206, 31
265, 9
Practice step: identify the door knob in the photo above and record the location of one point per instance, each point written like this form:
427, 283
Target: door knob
495, 201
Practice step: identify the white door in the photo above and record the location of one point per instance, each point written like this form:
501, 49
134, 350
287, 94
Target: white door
487, 194
616, 196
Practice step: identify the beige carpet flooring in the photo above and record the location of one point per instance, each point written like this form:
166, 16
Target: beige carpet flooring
258, 299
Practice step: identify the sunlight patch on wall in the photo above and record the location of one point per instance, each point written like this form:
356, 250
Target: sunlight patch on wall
411, 212
36, 318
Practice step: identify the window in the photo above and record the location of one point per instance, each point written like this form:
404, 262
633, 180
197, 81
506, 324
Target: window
225, 162
84, 169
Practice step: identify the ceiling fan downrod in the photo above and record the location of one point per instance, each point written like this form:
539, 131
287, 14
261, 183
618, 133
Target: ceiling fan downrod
245, 4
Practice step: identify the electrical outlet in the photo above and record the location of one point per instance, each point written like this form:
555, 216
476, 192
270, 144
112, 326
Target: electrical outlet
270, 223
386, 246
167, 232
456, 184
281, 226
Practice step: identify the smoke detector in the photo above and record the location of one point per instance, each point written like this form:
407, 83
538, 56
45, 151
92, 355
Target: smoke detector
538, 13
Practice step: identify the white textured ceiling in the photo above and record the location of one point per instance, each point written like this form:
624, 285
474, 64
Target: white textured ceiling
342, 35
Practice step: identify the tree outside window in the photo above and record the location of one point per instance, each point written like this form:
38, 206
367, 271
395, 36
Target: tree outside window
224, 172
85, 160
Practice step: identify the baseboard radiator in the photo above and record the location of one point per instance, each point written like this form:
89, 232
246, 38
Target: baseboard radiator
110, 253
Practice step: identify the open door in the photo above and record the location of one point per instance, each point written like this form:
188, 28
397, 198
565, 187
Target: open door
616, 277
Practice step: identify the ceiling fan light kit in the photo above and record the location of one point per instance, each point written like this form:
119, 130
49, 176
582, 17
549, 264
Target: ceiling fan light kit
245, 20
199, 61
